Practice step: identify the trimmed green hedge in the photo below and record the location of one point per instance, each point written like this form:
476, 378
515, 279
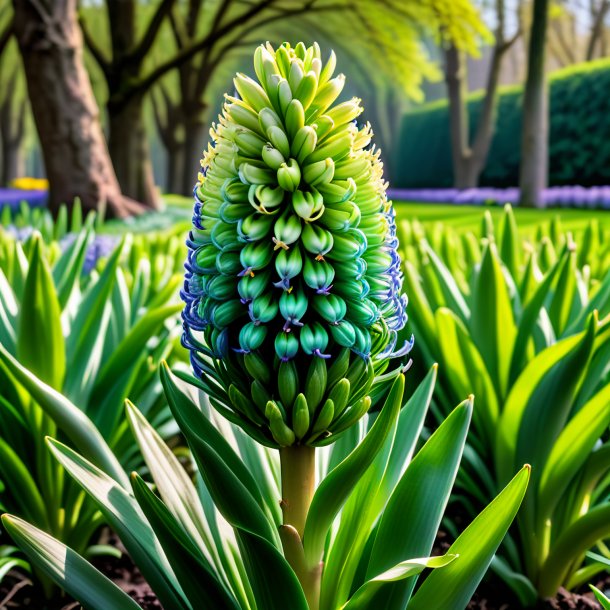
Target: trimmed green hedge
579, 134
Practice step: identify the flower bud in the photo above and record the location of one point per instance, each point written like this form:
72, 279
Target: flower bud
286, 346
289, 175
314, 340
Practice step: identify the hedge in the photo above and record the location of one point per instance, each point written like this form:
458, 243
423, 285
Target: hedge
579, 134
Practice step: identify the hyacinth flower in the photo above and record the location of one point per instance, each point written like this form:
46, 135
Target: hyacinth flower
293, 284
292, 293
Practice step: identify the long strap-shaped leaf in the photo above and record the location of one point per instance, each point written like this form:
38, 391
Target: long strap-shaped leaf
545, 382
571, 450
336, 487
69, 419
67, 568
40, 342
193, 421
194, 573
410, 522
125, 517
362, 598
273, 581
452, 587
371, 494
572, 543
233, 489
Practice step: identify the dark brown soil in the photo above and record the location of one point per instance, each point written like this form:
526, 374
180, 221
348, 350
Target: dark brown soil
17, 592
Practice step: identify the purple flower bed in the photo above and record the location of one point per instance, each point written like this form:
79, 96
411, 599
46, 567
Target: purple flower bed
14, 197
101, 247
555, 196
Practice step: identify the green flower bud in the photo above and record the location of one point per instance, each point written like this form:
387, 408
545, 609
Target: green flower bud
263, 309
317, 240
251, 337
314, 340
287, 229
330, 307
318, 275
293, 306
288, 264
286, 346
309, 206
272, 157
289, 175
250, 287
255, 256
265, 199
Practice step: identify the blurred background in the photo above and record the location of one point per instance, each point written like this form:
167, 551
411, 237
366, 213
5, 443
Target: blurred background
471, 101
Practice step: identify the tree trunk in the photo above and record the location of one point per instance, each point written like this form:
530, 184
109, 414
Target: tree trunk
195, 141
13, 161
130, 153
175, 170
533, 171
458, 116
67, 118
12, 128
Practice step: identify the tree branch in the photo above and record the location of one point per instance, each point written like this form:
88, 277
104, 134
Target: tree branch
141, 86
156, 21
94, 49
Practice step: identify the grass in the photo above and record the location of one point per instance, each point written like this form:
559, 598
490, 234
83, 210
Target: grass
468, 217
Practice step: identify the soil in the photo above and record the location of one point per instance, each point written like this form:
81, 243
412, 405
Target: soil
17, 592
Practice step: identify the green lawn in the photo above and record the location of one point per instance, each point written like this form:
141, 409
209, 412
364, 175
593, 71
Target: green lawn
468, 218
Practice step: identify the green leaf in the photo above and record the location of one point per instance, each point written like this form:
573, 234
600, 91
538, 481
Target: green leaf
178, 492
20, 483
40, 342
194, 423
85, 343
452, 587
68, 569
194, 573
492, 321
126, 518
467, 370
571, 450
405, 569
601, 598
69, 418
273, 581
539, 402
571, 543
453, 296
117, 374
528, 321
334, 490
68, 268
411, 519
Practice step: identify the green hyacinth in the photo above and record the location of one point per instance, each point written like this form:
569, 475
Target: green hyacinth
293, 283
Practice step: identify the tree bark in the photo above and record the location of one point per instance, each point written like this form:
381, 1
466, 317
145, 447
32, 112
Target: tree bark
195, 142
533, 171
469, 160
597, 31
130, 152
12, 129
67, 118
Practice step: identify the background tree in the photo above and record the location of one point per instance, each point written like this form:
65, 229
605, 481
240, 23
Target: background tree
533, 172
130, 74
66, 115
469, 155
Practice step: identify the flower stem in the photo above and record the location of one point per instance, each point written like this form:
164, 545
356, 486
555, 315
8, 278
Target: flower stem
298, 471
